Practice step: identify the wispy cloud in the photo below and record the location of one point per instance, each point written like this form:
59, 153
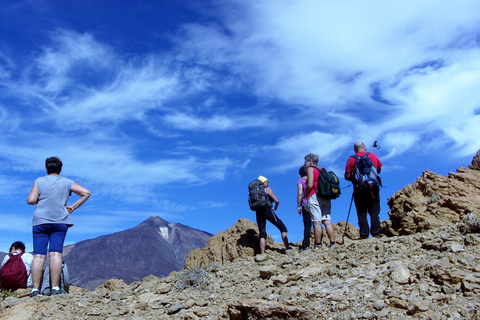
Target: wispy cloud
248, 86
214, 123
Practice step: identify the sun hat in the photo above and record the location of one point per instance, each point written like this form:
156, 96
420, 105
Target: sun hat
262, 179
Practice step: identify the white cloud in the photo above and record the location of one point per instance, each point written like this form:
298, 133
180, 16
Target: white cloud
327, 145
215, 122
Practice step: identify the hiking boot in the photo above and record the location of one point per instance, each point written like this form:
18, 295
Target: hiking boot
54, 292
318, 246
34, 293
303, 249
333, 244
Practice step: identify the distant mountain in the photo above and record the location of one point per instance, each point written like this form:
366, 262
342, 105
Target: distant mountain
2, 255
155, 247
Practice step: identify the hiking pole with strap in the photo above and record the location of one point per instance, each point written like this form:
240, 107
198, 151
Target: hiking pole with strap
375, 146
348, 216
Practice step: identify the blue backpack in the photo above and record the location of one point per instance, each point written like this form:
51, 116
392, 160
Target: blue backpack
365, 173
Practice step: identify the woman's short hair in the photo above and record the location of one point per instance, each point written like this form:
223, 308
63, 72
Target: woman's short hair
53, 165
17, 245
302, 171
312, 157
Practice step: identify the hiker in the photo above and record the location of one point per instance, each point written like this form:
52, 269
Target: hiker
18, 249
319, 208
51, 221
267, 213
302, 208
367, 199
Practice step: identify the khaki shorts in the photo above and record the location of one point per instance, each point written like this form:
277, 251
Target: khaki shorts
320, 209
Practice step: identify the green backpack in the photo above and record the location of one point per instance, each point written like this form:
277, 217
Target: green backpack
328, 185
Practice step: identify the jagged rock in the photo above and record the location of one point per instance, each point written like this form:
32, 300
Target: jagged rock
239, 241
475, 165
242, 240
434, 201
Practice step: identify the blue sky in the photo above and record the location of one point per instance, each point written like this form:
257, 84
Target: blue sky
171, 108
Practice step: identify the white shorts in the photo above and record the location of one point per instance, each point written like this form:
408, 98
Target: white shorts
320, 209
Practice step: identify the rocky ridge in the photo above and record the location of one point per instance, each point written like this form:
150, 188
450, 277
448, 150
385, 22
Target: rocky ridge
429, 272
434, 201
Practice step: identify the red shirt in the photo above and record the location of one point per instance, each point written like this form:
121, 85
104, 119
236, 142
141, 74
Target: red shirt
351, 162
316, 174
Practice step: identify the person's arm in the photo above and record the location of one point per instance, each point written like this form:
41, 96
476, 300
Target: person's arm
82, 192
32, 198
273, 197
348, 176
310, 178
299, 198
350, 169
5, 259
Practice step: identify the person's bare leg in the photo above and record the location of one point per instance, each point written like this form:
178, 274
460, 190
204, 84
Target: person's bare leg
330, 230
317, 231
262, 245
37, 270
55, 268
285, 240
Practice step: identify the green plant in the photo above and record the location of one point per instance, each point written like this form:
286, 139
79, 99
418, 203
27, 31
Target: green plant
9, 293
433, 198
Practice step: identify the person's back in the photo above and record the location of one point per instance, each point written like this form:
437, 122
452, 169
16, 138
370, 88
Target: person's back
15, 268
365, 194
53, 196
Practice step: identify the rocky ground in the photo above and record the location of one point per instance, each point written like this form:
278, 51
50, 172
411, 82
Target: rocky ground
426, 268
431, 275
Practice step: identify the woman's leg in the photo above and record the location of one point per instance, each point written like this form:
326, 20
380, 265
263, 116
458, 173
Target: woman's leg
262, 224
57, 238
37, 270
307, 226
270, 215
55, 268
40, 244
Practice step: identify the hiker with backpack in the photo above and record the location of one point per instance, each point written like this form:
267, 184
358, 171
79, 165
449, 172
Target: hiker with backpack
362, 169
260, 198
302, 208
15, 268
319, 207
51, 221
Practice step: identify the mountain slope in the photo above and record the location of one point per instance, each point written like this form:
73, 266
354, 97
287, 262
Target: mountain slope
154, 247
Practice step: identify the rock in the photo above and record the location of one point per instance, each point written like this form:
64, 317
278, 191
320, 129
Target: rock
400, 273
434, 201
419, 305
239, 241
267, 271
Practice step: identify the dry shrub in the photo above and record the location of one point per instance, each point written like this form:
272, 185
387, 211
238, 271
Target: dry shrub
470, 223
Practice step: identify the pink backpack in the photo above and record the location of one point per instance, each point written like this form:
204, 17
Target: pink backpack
13, 274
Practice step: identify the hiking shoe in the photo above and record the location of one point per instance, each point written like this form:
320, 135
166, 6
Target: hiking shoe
318, 246
303, 249
54, 292
34, 293
333, 244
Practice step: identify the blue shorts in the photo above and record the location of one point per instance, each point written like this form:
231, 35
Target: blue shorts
45, 233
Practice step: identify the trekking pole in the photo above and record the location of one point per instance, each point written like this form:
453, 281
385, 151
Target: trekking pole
348, 216
375, 146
